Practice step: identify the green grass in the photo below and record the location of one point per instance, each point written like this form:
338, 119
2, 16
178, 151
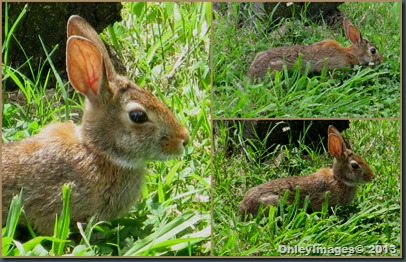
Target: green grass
165, 46
361, 92
372, 220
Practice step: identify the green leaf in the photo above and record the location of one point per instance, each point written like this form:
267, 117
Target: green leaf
138, 8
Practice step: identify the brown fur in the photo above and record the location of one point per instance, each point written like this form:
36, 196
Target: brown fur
336, 55
340, 182
105, 157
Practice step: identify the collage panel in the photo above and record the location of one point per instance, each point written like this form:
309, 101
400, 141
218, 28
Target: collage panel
270, 179
306, 60
201, 129
114, 140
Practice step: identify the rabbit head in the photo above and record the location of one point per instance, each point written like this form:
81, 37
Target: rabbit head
121, 120
361, 48
348, 167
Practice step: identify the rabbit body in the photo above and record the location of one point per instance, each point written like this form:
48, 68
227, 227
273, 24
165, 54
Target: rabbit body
123, 127
314, 185
42, 164
340, 181
361, 52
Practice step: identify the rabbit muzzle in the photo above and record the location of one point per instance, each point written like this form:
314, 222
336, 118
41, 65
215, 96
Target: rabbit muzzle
174, 145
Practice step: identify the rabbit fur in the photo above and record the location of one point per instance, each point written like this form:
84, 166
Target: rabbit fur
360, 52
123, 127
340, 181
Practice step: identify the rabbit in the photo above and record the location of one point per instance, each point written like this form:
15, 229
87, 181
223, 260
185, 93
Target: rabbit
123, 127
360, 52
340, 181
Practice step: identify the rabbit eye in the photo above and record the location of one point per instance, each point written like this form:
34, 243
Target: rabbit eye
138, 116
355, 165
372, 50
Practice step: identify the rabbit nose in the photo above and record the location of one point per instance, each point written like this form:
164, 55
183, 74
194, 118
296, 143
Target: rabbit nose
185, 142
186, 138
369, 176
379, 58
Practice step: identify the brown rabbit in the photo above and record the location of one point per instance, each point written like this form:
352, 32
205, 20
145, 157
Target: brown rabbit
340, 181
123, 127
361, 52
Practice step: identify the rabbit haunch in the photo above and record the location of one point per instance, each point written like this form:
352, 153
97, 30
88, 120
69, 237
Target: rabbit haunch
340, 181
361, 52
123, 127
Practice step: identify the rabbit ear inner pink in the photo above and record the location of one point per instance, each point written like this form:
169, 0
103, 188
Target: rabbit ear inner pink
335, 145
353, 34
77, 26
84, 64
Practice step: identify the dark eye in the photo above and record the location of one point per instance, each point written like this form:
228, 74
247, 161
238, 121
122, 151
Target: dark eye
355, 165
138, 116
372, 50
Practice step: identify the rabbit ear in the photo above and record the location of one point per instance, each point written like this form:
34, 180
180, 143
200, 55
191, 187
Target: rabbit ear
84, 64
331, 129
336, 144
77, 26
352, 32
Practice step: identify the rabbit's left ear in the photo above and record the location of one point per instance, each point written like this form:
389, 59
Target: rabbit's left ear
335, 145
352, 32
85, 68
77, 26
